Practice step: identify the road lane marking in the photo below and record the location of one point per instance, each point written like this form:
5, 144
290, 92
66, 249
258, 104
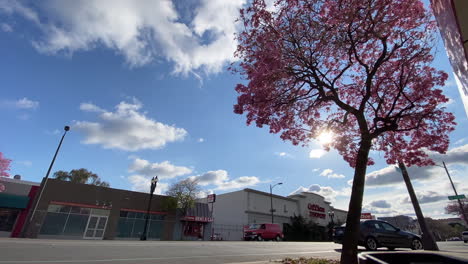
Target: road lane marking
160, 258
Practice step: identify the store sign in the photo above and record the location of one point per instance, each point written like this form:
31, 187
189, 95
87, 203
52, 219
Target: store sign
198, 218
212, 198
316, 211
366, 216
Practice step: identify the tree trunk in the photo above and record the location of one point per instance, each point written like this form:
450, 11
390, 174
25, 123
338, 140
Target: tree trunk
350, 241
427, 237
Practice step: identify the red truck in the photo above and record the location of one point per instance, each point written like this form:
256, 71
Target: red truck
262, 232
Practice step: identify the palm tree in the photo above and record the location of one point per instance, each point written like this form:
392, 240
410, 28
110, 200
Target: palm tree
80, 176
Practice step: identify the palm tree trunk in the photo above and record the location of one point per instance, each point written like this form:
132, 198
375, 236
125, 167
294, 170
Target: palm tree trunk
350, 241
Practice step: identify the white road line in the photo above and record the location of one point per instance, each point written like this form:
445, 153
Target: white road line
160, 258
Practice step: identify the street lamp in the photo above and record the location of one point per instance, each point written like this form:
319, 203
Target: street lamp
331, 226
154, 182
331, 214
66, 128
271, 199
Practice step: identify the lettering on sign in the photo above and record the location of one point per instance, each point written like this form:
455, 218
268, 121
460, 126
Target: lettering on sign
366, 216
198, 218
316, 211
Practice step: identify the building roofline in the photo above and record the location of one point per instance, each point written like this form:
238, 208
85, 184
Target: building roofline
268, 194
7, 179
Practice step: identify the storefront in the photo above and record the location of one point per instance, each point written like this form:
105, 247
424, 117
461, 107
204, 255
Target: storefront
80, 211
194, 224
15, 197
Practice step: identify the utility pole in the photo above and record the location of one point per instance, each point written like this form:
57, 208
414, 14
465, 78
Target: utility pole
455, 190
428, 240
271, 199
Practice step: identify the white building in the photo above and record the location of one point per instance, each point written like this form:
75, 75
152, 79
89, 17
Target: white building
233, 210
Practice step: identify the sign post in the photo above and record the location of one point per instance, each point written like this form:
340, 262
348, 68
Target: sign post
212, 199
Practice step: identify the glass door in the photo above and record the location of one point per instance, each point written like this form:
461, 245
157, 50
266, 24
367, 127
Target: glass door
95, 227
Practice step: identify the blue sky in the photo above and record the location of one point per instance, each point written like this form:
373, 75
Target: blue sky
146, 90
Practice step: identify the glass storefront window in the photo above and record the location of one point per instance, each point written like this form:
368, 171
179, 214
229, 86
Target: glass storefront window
65, 209
103, 212
132, 224
85, 211
54, 208
8, 218
76, 225
69, 220
123, 213
54, 223
75, 210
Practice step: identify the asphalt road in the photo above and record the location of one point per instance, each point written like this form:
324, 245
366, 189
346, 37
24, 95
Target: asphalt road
155, 252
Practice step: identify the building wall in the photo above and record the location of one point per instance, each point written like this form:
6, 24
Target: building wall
100, 197
234, 210
230, 208
229, 215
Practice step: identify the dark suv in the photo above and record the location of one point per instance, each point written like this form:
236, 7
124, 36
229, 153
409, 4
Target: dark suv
374, 234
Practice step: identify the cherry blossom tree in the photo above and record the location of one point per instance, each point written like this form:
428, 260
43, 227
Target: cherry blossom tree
359, 69
4, 166
455, 209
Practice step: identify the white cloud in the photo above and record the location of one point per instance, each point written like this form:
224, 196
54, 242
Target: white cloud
26, 163
6, 27
460, 141
241, 182
201, 140
164, 170
390, 175
380, 204
89, 107
328, 192
141, 31
330, 175
316, 153
427, 197
141, 183
127, 129
23, 103
283, 154
220, 179
53, 132
204, 194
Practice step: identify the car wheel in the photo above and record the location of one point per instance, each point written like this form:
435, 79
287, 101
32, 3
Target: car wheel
259, 238
465, 241
416, 244
371, 243
278, 238
391, 248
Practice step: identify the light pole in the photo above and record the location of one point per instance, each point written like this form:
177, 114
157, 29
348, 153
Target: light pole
332, 215
455, 190
154, 182
66, 128
271, 199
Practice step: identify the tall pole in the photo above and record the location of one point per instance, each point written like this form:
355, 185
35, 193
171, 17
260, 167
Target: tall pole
427, 237
212, 223
455, 190
271, 202
66, 128
154, 182
271, 199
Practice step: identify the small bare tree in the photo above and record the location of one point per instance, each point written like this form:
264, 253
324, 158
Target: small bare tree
185, 193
